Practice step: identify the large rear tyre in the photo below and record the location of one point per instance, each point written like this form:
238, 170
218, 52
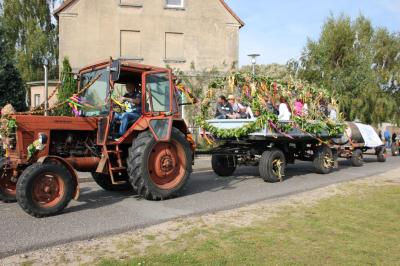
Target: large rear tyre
381, 154
104, 181
273, 166
395, 150
8, 188
323, 161
45, 189
223, 165
159, 170
357, 158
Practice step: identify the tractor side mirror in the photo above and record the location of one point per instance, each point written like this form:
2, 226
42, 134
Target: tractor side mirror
115, 70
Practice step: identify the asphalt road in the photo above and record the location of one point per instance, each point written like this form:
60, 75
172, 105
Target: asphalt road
99, 213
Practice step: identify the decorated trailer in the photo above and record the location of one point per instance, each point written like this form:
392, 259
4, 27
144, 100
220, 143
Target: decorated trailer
153, 157
269, 149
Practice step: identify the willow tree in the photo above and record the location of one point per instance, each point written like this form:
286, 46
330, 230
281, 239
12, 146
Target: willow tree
343, 60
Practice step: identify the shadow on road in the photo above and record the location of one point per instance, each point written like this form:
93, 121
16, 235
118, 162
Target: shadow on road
199, 182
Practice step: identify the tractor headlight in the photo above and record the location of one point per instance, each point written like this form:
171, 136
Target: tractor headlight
43, 138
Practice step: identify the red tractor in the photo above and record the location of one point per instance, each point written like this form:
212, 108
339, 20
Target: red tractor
154, 157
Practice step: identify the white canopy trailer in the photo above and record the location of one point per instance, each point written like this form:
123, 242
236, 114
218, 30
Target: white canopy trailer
357, 141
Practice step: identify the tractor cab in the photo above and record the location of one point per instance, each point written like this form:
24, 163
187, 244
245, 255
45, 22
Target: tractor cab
104, 86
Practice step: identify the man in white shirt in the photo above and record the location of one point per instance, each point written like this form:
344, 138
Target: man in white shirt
284, 110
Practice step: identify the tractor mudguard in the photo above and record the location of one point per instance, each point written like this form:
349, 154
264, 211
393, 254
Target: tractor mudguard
160, 127
59, 160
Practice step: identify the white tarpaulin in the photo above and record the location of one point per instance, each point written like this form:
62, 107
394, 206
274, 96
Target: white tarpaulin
369, 135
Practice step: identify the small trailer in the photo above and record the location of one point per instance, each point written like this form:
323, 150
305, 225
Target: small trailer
270, 150
357, 142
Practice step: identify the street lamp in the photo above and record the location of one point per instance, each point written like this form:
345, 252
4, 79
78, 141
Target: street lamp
254, 62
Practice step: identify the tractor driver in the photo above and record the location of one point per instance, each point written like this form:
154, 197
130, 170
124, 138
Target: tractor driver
133, 108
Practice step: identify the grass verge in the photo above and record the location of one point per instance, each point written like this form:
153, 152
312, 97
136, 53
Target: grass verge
361, 226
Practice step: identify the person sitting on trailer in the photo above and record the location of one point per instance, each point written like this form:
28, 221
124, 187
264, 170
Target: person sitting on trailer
239, 111
298, 107
284, 110
224, 109
133, 102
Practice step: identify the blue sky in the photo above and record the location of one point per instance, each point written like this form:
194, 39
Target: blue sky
278, 30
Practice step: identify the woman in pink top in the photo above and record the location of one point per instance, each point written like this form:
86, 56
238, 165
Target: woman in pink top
298, 107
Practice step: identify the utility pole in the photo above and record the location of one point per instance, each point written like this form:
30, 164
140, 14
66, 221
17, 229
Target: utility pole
46, 90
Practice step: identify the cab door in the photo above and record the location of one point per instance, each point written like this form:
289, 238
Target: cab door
158, 106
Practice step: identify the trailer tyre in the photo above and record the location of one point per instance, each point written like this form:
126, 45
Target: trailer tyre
45, 189
357, 158
104, 181
323, 161
395, 150
272, 166
381, 154
7, 186
223, 165
159, 170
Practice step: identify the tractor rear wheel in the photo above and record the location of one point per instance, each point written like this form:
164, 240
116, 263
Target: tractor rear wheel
45, 189
104, 181
8, 187
223, 165
159, 170
323, 161
273, 165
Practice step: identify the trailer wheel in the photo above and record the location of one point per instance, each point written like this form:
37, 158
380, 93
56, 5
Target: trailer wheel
395, 150
104, 181
223, 165
159, 170
8, 188
323, 160
381, 154
272, 166
45, 189
357, 158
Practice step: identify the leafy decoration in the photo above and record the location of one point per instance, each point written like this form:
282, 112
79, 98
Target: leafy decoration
255, 91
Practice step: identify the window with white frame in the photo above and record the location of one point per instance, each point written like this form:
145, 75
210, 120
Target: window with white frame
175, 3
36, 100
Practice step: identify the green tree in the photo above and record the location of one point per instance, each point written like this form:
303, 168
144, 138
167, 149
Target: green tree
11, 85
347, 59
67, 89
31, 37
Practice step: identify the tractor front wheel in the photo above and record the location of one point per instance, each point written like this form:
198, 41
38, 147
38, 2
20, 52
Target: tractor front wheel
159, 170
8, 187
45, 189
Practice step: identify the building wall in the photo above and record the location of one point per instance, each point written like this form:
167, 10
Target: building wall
203, 33
40, 91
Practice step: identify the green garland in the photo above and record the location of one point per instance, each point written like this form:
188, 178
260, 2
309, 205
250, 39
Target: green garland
251, 95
